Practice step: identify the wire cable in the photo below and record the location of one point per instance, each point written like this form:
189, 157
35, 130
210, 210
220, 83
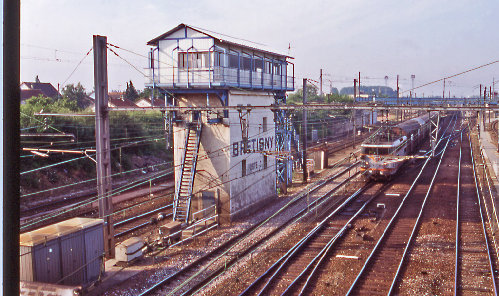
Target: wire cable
74, 70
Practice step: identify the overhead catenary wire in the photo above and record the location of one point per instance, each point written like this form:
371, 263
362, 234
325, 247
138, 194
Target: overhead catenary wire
118, 191
97, 198
126, 61
44, 124
70, 160
94, 179
448, 77
78, 65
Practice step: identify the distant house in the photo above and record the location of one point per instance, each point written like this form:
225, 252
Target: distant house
29, 93
46, 88
115, 100
120, 102
34, 89
115, 94
146, 102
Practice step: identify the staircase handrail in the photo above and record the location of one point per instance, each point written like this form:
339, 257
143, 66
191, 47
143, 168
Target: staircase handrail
199, 127
179, 182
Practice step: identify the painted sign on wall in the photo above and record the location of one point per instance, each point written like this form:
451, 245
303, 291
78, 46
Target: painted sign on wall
252, 145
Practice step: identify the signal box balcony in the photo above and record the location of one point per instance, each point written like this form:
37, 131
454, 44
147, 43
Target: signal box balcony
188, 57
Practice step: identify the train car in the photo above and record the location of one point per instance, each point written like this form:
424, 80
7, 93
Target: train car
384, 153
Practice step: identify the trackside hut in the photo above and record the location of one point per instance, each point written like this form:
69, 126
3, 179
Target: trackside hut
201, 68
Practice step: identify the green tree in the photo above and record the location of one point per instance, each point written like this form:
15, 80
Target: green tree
130, 92
76, 93
146, 93
43, 104
312, 95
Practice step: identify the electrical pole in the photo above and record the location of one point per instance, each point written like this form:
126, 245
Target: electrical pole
353, 111
354, 89
103, 149
359, 85
398, 102
483, 111
320, 81
443, 93
304, 125
412, 80
490, 99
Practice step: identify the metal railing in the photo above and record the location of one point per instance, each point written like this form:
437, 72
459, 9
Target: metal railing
218, 76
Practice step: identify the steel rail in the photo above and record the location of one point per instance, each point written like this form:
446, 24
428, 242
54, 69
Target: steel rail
138, 217
300, 215
487, 177
233, 241
420, 214
323, 253
136, 228
371, 255
119, 223
281, 262
456, 260
483, 222
492, 200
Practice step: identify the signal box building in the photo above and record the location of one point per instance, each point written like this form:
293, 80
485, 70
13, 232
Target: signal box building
224, 158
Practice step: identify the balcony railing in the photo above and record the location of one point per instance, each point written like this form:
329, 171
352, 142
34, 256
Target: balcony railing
218, 76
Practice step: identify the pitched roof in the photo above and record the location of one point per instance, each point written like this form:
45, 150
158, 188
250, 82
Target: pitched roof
28, 93
146, 102
121, 102
115, 94
46, 88
221, 38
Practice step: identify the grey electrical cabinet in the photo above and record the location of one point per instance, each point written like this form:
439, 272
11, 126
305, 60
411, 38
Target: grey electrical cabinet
67, 253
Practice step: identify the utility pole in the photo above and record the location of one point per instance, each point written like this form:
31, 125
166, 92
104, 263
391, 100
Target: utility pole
359, 85
443, 93
102, 140
354, 89
398, 93
353, 111
320, 81
483, 111
412, 86
490, 99
304, 125
479, 112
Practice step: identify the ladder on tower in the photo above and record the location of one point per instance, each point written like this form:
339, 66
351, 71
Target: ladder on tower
183, 194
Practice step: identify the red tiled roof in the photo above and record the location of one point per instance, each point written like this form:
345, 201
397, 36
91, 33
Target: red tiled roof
120, 102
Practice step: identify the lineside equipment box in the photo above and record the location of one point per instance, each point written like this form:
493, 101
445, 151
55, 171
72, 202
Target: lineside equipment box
129, 249
66, 253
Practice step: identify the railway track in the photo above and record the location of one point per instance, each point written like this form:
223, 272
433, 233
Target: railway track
303, 267
474, 260
381, 270
37, 210
291, 273
194, 276
73, 199
140, 221
140, 203
296, 272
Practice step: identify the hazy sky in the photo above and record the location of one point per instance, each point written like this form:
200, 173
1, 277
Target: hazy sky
428, 38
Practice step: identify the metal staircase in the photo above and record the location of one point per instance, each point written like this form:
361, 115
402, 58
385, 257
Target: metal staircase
183, 194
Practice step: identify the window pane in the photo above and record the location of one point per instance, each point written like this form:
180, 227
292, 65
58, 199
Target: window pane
257, 65
246, 63
233, 61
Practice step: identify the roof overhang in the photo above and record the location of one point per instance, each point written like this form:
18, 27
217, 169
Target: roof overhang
217, 37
